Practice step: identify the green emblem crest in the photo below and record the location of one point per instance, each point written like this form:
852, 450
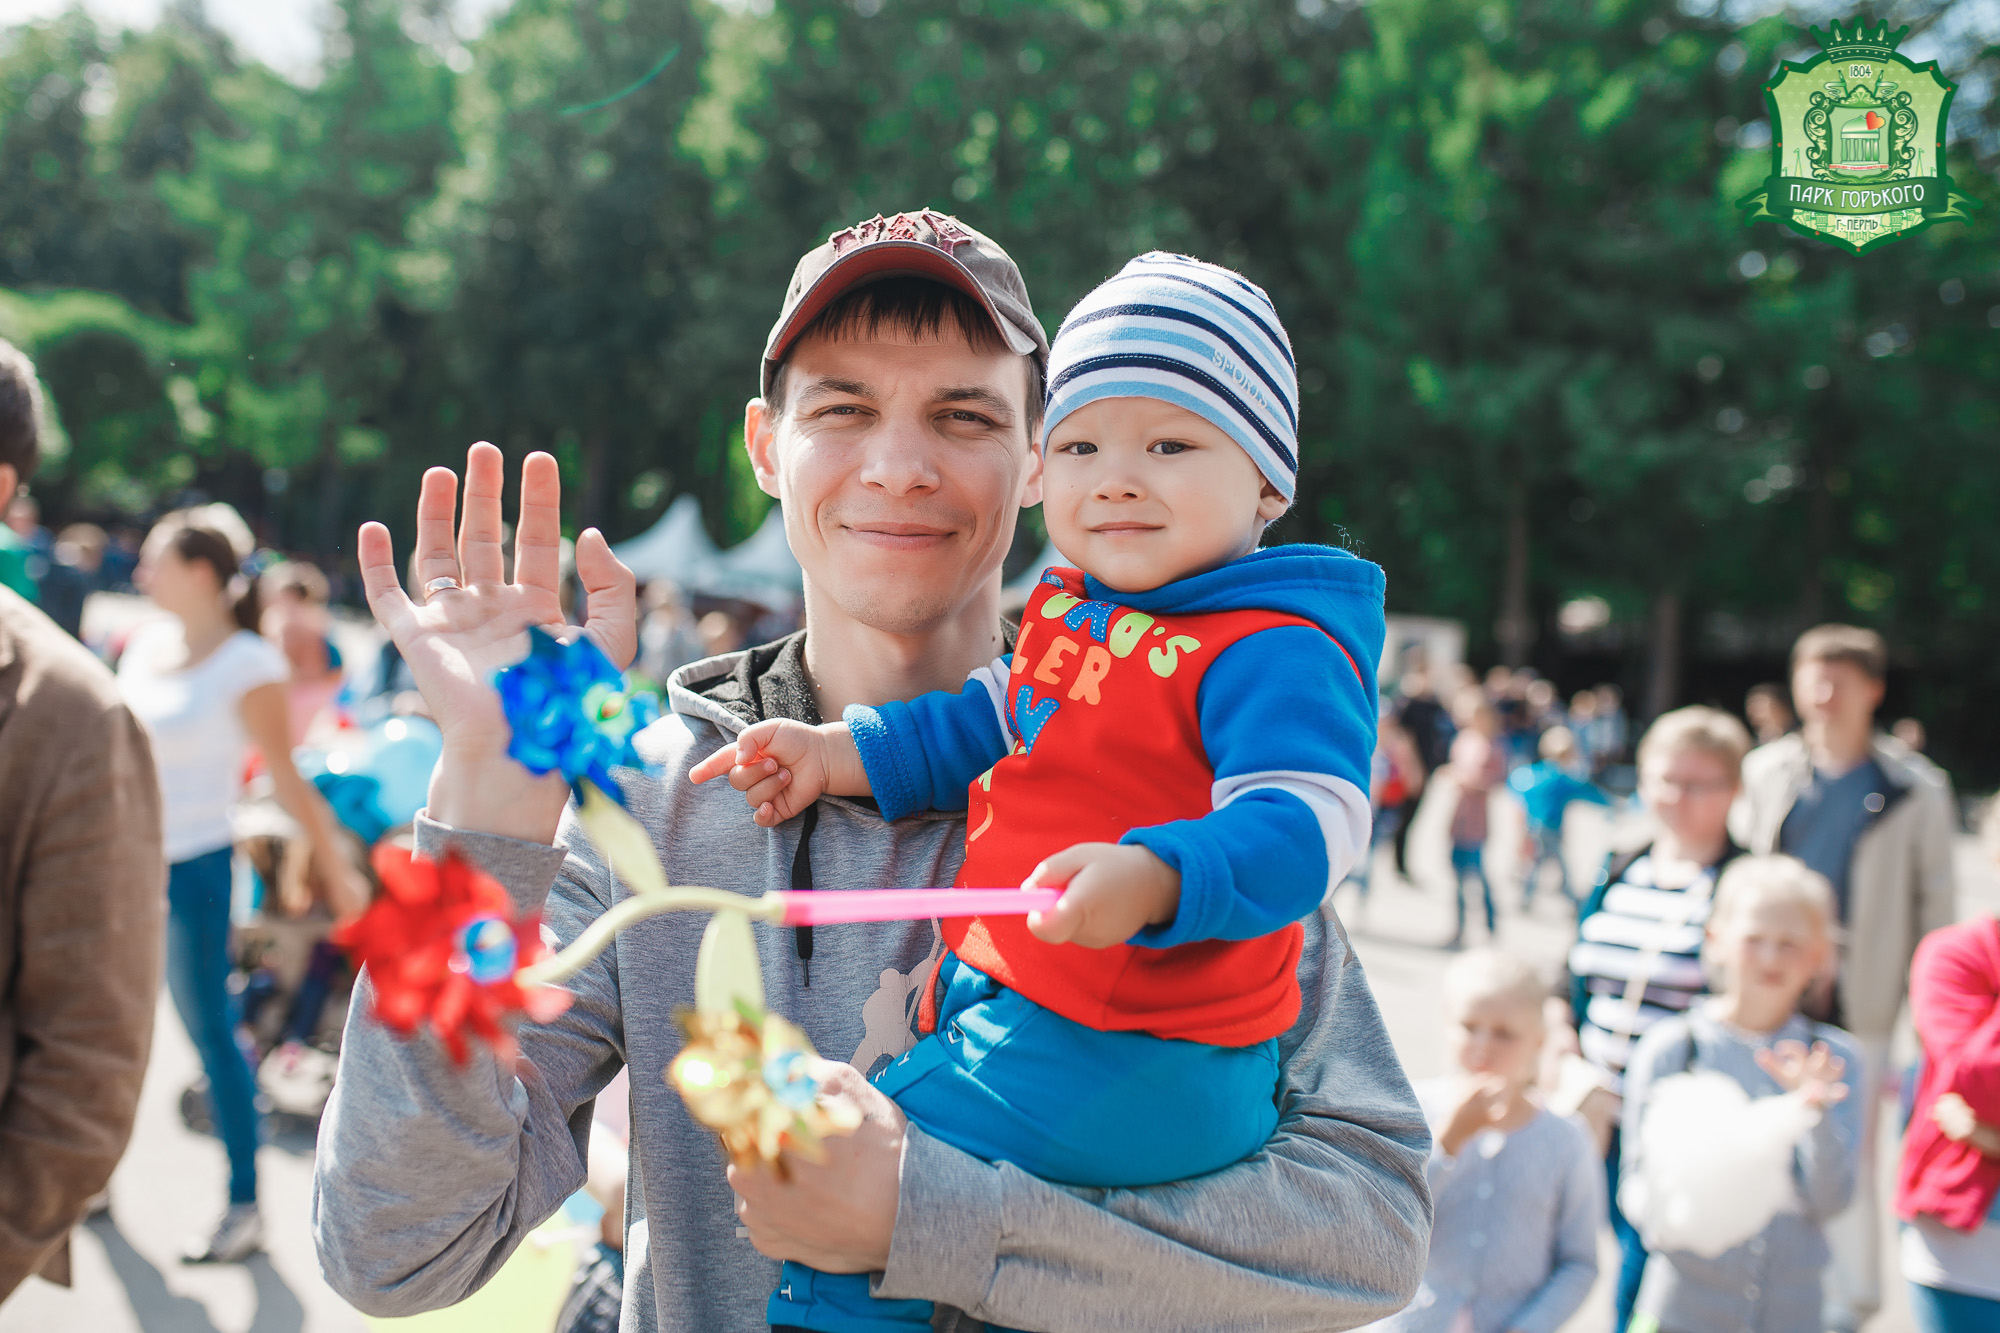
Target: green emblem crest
1857, 142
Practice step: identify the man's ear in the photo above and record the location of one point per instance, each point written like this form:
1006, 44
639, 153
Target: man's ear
1271, 504
1031, 479
760, 441
10, 481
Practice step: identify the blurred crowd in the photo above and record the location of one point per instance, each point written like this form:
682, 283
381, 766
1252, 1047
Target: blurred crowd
1721, 1040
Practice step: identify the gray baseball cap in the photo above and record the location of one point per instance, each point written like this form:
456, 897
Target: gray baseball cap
923, 244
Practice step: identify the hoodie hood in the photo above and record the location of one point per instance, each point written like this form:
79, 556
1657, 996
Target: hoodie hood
1334, 589
743, 688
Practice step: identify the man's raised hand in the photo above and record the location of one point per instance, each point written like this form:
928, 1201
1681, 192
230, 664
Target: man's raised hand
456, 637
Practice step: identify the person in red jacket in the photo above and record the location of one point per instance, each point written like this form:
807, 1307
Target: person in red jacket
1948, 1189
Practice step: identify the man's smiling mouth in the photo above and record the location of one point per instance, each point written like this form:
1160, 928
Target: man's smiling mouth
899, 536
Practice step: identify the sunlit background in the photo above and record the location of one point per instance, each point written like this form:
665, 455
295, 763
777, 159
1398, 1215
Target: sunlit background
287, 255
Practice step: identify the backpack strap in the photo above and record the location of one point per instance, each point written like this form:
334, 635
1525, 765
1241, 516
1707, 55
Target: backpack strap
1687, 1060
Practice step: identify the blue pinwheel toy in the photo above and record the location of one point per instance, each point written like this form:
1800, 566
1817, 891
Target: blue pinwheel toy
570, 712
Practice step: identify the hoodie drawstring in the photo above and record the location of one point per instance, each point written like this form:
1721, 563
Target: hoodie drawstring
802, 879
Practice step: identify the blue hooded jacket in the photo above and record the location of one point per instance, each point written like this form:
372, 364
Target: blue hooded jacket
1287, 719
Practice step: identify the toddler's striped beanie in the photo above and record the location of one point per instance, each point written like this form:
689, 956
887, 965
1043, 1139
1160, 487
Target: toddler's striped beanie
1192, 334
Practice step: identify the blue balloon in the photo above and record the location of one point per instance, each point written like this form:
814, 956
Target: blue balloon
404, 751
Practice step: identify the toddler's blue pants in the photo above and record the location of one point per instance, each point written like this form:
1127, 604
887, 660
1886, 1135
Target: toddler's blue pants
1008, 1081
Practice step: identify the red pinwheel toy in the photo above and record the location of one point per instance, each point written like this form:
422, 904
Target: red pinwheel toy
443, 946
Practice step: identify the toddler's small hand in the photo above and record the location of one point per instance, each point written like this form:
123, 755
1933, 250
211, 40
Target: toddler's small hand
1110, 893
779, 766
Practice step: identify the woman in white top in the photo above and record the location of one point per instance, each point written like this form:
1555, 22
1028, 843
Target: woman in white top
209, 688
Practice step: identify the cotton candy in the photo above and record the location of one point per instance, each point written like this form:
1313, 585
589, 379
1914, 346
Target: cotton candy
1716, 1164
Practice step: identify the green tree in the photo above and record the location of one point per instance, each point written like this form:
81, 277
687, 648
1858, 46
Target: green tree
586, 259
311, 314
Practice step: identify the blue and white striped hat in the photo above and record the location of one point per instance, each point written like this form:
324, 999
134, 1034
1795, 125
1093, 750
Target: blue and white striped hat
1192, 334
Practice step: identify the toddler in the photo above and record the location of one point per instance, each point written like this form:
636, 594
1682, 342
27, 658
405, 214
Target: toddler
1180, 740
1518, 1189
1769, 936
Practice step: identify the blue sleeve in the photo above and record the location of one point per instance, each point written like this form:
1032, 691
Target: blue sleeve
1289, 727
923, 754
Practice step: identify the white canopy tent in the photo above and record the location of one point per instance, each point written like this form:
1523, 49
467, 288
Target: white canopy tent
676, 548
761, 569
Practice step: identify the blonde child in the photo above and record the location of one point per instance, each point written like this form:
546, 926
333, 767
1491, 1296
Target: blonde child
1518, 1189
1769, 936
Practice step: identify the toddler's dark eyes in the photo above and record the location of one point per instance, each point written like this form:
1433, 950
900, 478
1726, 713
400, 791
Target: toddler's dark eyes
1079, 447
1170, 447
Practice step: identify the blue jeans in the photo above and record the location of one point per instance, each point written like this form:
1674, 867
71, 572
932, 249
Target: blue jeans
1940, 1311
1008, 1081
198, 969
1468, 861
1548, 843
1631, 1250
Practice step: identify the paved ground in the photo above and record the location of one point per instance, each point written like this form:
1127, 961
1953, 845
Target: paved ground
169, 1188
169, 1185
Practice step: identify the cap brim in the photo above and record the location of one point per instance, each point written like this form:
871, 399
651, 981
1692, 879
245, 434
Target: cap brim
886, 259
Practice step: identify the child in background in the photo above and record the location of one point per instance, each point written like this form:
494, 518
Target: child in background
1518, 1189
1478, 765
1769, 936
1180, 742
1637, 956
1546, 788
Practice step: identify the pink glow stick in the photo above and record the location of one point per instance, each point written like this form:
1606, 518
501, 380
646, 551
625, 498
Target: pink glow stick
838, 906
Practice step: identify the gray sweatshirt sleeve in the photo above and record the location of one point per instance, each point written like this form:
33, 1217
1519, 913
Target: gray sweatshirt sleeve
1828, 1159
1327, 1228
429, 1174
1575, 1272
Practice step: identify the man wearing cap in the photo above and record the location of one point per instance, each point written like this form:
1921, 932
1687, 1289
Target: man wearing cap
902, 393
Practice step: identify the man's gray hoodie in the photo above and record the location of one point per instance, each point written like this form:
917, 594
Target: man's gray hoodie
430, 1174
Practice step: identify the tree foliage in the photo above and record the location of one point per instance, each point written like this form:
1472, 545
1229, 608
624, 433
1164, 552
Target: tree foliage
1542, 356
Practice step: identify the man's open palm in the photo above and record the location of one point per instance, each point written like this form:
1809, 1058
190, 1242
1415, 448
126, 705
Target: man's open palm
455, 638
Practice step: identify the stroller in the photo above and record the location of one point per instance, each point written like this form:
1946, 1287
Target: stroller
291, 981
